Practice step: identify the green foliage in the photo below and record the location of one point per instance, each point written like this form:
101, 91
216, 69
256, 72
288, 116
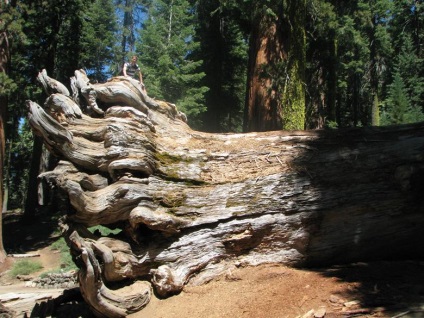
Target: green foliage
18, 168
397, 102
223, 48
410, 66
7, 85
350, 43
98, 38
66, 261
103, 230
398, 108
293, 91
195, 54
130, 15
358, 67
11, 21
331, 124
53, 31
25, 267
166, 53
405, 94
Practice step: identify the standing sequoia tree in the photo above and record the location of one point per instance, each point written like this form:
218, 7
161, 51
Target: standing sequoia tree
191, 205
276, 73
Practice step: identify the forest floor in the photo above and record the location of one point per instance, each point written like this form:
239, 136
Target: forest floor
376, 289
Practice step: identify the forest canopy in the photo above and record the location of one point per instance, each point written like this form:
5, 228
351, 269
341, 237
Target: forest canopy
230, 66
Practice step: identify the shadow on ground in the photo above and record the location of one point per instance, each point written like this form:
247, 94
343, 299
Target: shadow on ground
21, 236
393, 287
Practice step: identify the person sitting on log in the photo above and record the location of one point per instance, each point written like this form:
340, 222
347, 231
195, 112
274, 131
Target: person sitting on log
131, 69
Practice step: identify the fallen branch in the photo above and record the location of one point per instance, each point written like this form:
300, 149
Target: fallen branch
23, 255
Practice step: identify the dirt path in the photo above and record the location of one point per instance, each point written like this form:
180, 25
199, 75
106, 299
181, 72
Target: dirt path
381, 289
16, 295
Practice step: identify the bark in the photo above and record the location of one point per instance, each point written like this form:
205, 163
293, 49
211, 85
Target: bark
32, 199
375, 72
191, 205
267, 47
4, 68
3, 107
275, 96
332, 80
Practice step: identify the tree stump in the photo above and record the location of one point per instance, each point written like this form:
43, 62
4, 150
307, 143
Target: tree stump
190, 205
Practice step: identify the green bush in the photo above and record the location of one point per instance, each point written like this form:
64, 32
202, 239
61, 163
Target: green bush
60, 245
25, 267
67, 263
104, 231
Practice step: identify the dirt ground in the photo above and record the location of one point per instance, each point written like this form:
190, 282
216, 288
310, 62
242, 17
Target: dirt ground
383, 289
378, 289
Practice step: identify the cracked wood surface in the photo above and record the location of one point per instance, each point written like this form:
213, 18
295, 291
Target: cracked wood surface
190, 205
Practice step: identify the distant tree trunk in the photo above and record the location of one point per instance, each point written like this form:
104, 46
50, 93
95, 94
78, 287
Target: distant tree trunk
276, 73
128, 38
32, 200
6, 179
4, 67
375, 74
331, 97
266, 48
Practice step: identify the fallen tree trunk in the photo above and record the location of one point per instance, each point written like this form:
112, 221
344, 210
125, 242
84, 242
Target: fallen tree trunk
190, 205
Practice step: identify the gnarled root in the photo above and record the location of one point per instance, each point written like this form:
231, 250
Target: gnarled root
103, 301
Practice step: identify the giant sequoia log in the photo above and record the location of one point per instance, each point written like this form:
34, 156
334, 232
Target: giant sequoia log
191, 205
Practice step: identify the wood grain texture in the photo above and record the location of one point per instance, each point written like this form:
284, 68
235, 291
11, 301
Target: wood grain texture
192, 205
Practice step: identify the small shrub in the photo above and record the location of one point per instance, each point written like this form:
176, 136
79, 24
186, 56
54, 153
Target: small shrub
60, 245
104, 231
25, 267
66, 261
331, 124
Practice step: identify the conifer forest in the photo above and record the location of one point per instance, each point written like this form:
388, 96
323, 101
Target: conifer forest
229, 66
262, 128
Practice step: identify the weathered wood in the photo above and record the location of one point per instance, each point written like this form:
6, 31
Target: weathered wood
50, 85
191, 205
24, 255
104, 301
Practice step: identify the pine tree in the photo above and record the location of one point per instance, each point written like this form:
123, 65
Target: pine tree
397, 102
223, 49
166, 54
19, 158
399, 109
6, 18
322, 64
374, 19
130, 15
411, 67
353, 57
98, 38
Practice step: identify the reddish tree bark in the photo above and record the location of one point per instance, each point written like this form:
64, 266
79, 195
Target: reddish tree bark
266, 48
275, 97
